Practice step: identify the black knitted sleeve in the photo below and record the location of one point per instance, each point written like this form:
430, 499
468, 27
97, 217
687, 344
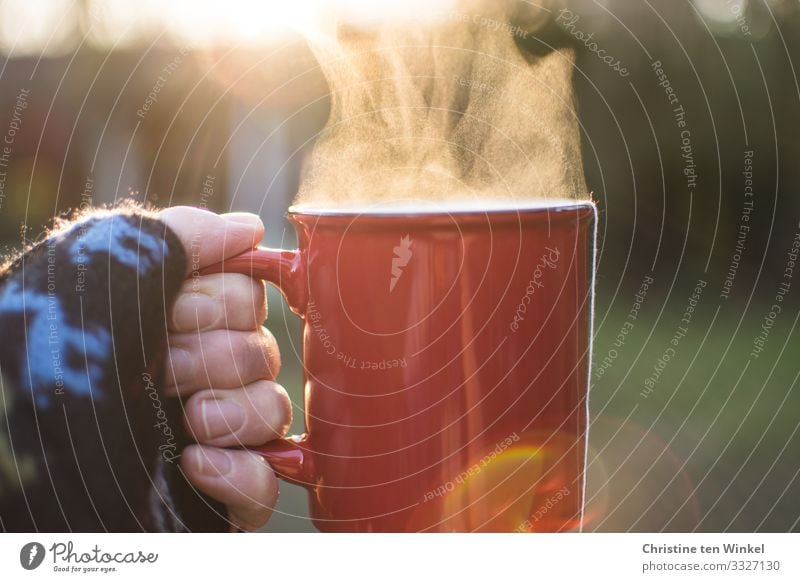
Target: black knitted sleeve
88, 441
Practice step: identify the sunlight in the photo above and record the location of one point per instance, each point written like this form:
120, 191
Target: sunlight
56, 25
238, 21
36, 26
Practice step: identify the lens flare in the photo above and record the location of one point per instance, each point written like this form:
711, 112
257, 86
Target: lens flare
534, 485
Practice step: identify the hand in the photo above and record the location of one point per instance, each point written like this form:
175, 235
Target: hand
223, 362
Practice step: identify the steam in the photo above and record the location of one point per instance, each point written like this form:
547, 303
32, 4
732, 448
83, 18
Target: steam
446, 110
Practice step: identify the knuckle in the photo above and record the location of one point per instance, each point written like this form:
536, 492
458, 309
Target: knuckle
261, 299
270, 411
272, 355
233, 288
264, 483
253, 362
244, 299
261, 356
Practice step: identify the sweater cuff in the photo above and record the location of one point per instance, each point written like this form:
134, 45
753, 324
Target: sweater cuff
83, 314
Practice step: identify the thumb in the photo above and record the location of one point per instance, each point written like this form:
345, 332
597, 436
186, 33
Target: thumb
208, 237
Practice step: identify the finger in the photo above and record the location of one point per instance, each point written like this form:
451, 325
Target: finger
208, 237
220, 359
229, 301
251, 415
242, 480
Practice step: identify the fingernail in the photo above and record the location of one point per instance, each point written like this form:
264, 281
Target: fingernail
212, 462
181, 365
243, 218
221, 417
195, 311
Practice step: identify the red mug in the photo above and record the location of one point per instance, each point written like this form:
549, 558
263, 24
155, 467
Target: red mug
446, 358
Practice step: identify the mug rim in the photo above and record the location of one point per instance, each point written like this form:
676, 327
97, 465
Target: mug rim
447, 209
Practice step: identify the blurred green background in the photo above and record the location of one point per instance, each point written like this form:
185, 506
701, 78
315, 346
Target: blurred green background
712, 445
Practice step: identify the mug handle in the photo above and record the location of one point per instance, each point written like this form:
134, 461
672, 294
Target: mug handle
284, 269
